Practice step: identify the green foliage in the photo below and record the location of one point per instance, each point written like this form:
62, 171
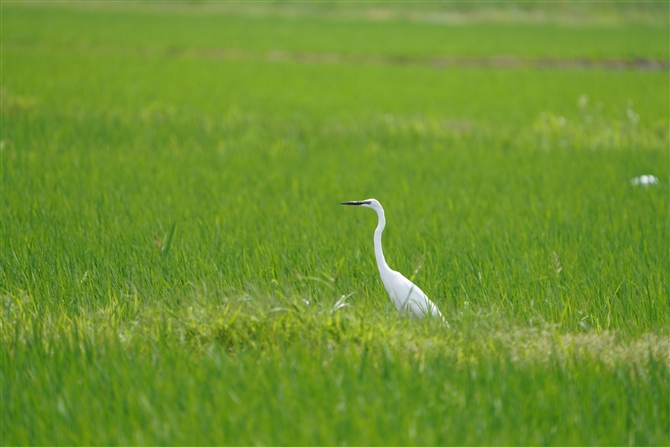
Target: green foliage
175, 267
295, 374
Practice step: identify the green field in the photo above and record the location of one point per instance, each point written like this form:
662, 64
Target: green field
175, 267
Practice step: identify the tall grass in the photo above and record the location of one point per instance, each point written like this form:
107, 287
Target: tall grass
175, 267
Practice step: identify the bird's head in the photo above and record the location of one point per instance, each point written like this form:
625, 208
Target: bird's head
369, 203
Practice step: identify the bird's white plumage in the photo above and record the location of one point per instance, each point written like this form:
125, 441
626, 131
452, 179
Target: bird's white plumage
407, 297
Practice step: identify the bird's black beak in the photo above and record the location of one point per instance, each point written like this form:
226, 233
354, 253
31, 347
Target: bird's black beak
364, 202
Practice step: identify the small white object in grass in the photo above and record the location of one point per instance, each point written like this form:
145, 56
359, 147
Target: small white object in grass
341, 303
583, 101
644, 180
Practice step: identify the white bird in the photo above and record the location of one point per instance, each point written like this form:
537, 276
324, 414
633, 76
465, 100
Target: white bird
406, 296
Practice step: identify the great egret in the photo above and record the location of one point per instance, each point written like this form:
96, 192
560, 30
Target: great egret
406, 296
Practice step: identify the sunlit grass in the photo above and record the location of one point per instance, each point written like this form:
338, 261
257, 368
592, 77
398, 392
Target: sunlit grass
222, 374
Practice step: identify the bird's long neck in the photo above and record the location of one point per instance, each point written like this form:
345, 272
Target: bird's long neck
379, 254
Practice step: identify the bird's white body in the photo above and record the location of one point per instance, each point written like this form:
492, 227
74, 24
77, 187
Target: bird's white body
407, 297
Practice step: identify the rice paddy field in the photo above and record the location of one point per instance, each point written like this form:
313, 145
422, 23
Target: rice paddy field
175, 266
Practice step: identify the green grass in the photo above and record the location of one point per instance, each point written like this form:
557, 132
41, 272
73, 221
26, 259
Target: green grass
174, 258
181, 28
185, 28
346, 391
